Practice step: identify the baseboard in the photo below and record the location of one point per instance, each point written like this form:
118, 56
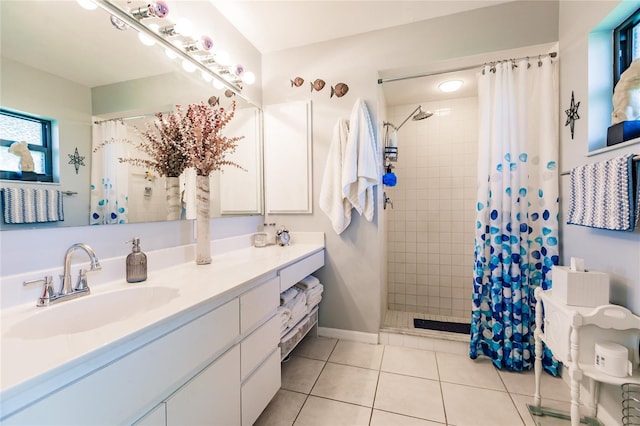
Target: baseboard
355, 336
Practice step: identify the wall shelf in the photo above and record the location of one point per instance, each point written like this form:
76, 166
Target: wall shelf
624, 144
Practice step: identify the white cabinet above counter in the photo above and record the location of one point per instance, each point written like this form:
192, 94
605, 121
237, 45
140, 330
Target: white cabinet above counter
184, 320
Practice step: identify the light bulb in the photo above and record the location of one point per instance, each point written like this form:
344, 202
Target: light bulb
170, 54
450, 86
205, 43
160, 9
188, 66
222, 58
145, 39
206, 77
249, 77
87, 4
217, 84
238, 70
183, 27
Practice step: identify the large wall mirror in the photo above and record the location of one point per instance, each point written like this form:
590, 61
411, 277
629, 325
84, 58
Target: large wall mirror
62, 62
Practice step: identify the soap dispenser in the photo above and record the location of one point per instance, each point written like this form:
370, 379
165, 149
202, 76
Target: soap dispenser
136, 263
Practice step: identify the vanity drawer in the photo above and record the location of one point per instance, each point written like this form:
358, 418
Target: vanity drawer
258, 304
260, 388
255, 348
294, 273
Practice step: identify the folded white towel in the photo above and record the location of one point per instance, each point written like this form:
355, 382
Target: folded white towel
308, 282
360, 164
332, 199
288, 295
298, 307
315, 291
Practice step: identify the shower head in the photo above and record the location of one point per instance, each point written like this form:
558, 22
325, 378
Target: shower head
419, 115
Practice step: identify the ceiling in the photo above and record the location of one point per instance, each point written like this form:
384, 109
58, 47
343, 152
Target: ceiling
86, 51
277, 25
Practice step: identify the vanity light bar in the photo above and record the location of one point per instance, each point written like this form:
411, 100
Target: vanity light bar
134, 23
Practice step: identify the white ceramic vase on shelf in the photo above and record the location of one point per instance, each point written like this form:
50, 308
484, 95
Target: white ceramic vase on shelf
203, 244
172, 185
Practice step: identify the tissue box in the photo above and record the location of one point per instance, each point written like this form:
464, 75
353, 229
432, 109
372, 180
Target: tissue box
589, 288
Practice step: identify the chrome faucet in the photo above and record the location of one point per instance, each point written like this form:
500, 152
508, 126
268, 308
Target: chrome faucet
66, 292
65, 284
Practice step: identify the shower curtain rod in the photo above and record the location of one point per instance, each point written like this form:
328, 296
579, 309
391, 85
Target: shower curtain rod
134, 117
470, 67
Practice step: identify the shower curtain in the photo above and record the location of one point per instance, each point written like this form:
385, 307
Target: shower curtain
516, 241
109, 178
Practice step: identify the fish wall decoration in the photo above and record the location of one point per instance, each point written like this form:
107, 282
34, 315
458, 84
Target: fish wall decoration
317, 85
339, 90
297, 82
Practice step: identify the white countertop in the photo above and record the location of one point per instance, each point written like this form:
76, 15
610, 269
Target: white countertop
33, 367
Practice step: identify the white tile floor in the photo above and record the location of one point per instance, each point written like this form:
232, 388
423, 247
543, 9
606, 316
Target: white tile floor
337, 382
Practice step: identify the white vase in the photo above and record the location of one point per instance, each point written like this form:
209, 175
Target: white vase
174, 205
203, 243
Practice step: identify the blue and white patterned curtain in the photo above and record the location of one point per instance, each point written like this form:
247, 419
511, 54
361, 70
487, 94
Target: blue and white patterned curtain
109, 177
516, 240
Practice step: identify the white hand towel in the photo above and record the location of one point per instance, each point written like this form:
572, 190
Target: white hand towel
332, 201
308, 282
288, 295
360, 163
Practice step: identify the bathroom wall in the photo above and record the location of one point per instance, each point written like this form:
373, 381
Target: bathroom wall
354, 283
28, 89
430, 228
616, 253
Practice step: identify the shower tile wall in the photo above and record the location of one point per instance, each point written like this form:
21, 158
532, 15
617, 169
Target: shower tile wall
431, 227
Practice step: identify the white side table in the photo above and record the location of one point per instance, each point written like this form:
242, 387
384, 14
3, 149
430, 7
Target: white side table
571, 333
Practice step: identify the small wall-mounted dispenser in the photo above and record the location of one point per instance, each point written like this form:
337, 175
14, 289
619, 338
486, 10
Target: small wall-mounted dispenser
389, 178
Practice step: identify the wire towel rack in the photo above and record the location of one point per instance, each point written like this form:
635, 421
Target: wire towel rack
630, 404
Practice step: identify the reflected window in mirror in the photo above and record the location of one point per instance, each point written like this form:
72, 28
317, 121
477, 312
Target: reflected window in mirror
25, 147
626, 45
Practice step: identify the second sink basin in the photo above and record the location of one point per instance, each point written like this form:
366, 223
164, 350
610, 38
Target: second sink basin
90, 312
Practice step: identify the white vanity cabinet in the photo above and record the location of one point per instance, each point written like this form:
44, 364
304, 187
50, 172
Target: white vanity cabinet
211, 397
213, 360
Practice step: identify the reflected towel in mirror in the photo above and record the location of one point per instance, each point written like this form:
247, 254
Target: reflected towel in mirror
32, 205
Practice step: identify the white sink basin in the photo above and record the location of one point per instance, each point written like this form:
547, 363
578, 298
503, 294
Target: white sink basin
90, 312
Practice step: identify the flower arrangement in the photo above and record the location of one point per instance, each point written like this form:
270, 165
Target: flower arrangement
185, 139
206, 146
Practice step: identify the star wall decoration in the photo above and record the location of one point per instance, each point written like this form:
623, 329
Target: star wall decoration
572, 114
77, 160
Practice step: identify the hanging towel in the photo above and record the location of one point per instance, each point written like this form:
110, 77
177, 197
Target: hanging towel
332, 201
605, 194
32, 205
360, 166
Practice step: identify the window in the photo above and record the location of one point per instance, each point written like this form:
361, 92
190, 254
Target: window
18, 127
626, 44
